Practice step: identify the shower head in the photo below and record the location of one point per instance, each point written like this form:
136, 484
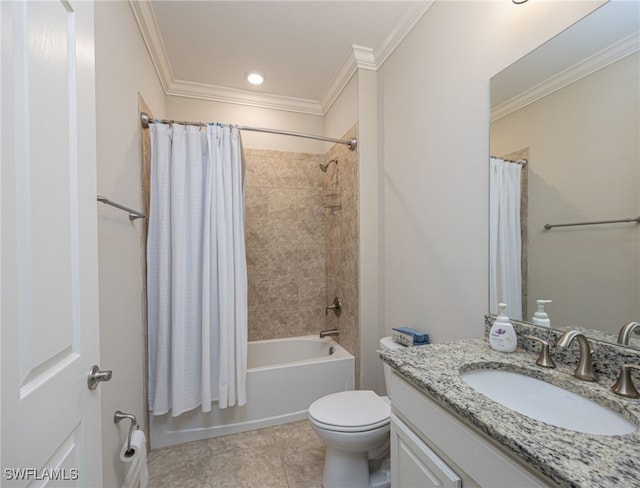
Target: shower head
324, 166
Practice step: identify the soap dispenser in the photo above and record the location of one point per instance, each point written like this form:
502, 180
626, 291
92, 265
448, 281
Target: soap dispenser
502, 337
540, 317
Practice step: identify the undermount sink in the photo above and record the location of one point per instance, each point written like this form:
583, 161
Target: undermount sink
546, 402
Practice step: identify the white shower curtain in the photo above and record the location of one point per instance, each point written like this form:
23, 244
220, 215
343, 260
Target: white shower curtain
505, 246
196, 269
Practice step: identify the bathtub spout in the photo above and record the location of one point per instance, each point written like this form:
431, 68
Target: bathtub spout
329, 332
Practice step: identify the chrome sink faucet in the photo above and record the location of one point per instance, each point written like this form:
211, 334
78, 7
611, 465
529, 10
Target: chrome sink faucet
626, 330
544, 360
624, 386
584, 371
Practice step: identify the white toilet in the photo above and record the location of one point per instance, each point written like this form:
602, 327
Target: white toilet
355, 427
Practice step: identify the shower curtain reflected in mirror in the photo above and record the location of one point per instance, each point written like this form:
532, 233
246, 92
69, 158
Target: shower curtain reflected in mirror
196, 269
505, 246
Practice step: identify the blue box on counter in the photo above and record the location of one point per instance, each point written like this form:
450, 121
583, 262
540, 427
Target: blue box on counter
408, 336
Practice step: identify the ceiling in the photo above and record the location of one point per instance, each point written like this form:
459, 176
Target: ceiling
307, 50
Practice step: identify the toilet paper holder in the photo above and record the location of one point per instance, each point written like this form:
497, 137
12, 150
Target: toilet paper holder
117, 417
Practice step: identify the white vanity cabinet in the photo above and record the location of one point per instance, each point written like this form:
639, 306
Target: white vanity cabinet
431, 447
413, 463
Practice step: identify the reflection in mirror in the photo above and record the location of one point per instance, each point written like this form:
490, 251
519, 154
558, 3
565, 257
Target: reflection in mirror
571, 108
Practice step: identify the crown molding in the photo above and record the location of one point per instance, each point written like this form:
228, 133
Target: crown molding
598, 61
412, 13
340, 79
365, 58
148, 26
359, 57
203, 91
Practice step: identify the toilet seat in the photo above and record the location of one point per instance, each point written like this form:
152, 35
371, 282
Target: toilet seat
350, 411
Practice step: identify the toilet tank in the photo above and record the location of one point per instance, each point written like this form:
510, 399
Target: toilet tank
386, 343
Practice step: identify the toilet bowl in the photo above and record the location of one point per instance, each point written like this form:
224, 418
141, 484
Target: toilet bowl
355, 426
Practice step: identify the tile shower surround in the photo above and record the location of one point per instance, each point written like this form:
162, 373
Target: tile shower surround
285, 244
341, 248
299, 254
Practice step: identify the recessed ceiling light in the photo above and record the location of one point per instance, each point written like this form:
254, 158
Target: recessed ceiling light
255, 78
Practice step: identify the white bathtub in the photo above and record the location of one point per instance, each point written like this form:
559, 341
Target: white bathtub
284, 376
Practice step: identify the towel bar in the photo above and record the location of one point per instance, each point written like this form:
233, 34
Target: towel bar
550, 226
133, 214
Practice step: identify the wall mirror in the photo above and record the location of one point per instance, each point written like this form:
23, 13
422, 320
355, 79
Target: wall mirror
571, 108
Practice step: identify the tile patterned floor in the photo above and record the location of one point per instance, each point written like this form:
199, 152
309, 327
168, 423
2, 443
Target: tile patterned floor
285, 456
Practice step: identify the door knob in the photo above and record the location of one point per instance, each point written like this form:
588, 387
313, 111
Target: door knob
96, 376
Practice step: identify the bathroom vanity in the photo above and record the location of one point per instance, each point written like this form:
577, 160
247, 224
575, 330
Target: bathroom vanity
431, 447
445, 433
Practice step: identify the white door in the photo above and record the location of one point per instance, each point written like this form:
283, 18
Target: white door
50, 420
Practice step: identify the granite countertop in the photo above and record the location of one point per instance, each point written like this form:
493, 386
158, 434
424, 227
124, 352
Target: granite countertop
569, 458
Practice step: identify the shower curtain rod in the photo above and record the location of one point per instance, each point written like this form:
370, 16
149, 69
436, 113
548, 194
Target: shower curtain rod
351, 144
522, 161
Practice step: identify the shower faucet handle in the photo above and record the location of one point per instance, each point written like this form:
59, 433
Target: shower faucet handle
336, 306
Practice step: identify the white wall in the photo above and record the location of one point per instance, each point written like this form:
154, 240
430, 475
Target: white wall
343, 113
123, 69
370, 237
435, 114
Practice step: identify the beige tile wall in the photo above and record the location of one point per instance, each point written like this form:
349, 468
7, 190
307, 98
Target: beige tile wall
341, 247
299, 254
285, 244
